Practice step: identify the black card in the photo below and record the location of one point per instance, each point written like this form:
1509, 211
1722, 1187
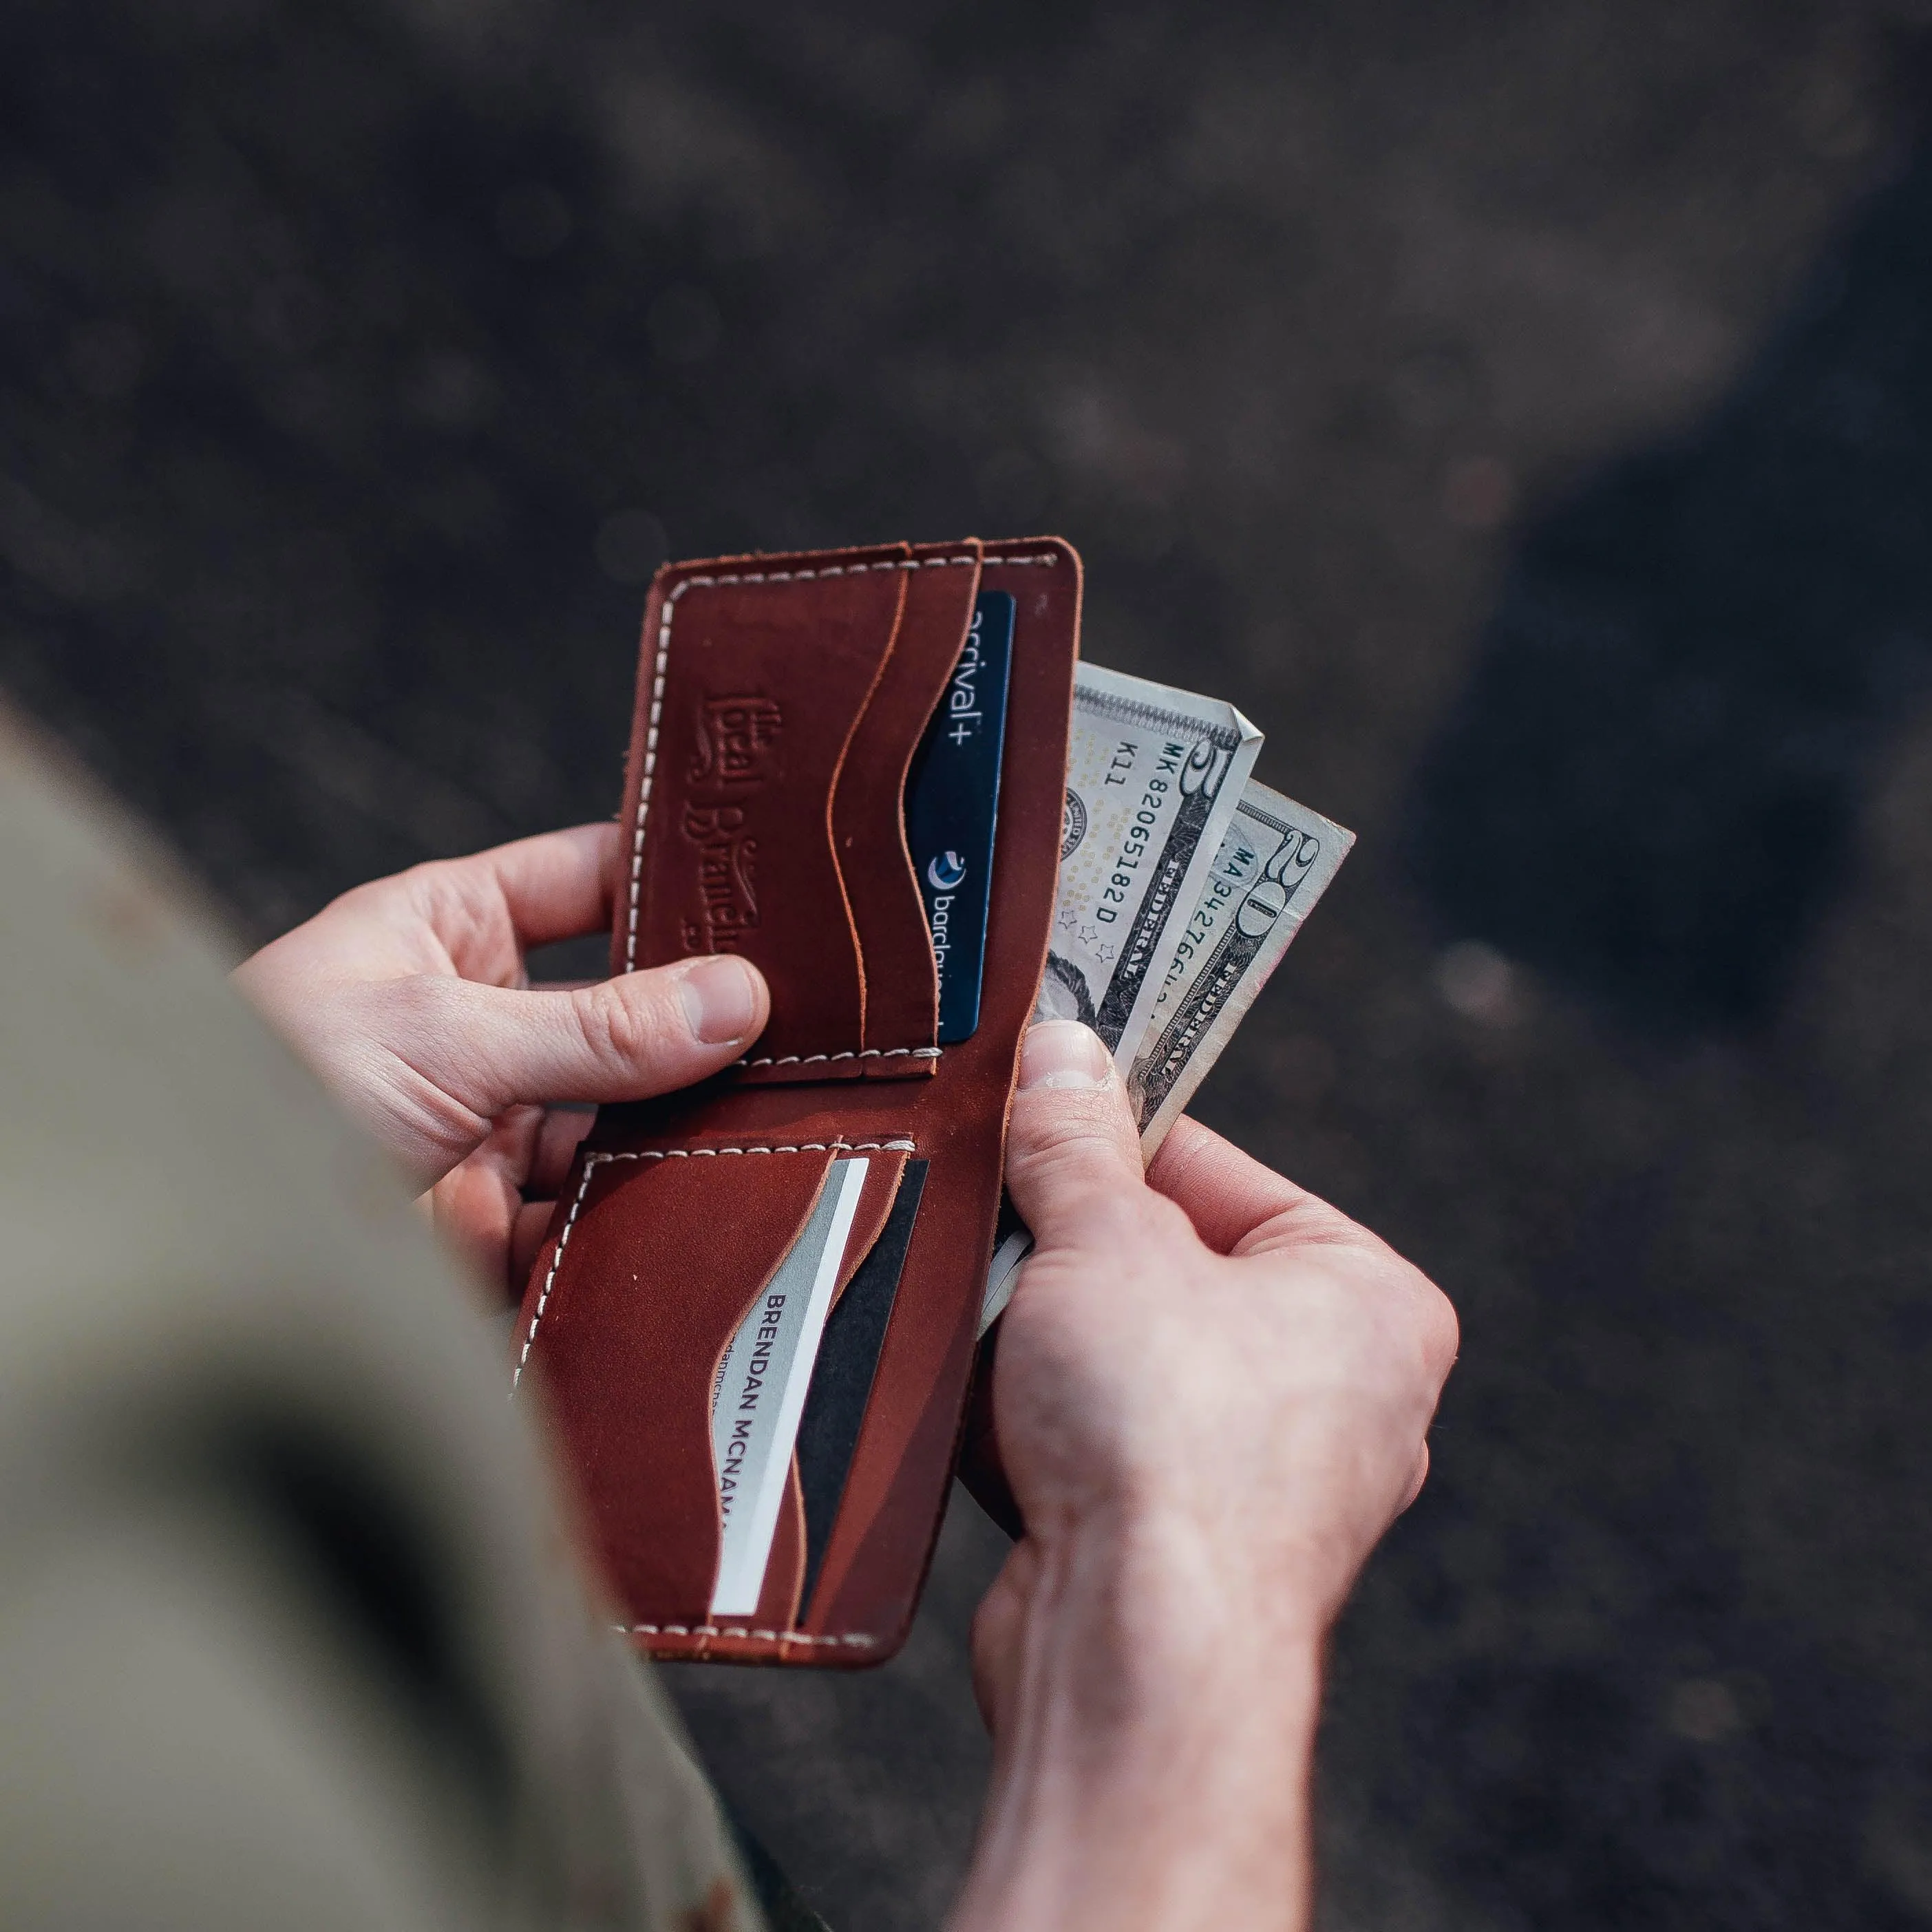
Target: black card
841, 1379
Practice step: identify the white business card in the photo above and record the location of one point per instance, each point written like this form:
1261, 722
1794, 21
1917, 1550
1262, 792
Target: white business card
761, 1389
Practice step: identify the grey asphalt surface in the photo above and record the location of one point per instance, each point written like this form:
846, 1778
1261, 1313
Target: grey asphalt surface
1522, 411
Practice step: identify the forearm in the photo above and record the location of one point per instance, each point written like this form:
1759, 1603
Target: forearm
1153, 1763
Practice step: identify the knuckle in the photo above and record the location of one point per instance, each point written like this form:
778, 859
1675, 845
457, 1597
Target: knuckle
1442, 1336
453, 895
622, 1024
1077, 1166
1083, 1128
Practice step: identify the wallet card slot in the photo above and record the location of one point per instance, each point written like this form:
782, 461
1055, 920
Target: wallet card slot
869, 814
759, 1391
783, 1581
629, 1355
758, 678
848, 1360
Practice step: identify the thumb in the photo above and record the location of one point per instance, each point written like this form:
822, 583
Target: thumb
1071, 1145
625, 1038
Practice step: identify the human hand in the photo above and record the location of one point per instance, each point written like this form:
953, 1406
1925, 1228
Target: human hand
408, 997
1211, 1395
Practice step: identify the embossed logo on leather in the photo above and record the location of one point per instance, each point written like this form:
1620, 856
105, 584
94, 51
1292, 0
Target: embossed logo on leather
735, 735
728, 858
732, 758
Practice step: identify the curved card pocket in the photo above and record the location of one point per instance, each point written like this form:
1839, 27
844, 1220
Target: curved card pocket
848, 1361
868, 819
757, 679
645, 1278
774, 1360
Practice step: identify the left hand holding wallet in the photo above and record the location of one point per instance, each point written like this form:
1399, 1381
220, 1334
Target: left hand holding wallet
408, 999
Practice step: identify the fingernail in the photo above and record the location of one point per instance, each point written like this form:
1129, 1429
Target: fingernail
1063, 1053
721, 999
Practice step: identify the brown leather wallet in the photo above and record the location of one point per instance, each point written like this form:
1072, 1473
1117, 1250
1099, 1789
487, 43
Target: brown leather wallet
780, 701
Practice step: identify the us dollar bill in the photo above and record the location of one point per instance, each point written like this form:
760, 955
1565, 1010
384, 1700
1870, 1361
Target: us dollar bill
1153, 778
1275, 861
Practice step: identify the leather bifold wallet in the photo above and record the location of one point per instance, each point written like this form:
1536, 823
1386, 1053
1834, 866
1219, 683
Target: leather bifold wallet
753, 1317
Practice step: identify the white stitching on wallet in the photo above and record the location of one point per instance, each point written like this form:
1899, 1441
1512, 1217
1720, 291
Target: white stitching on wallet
669, 611
592, 1161
721, 1629
860, 1053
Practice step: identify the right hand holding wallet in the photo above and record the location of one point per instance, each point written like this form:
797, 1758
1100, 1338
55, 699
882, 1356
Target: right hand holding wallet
755, 1315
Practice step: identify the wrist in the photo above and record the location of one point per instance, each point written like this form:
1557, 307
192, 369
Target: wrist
1154, 1767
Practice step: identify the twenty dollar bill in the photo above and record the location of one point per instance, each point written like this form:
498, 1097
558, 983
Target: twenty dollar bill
1275, 862
1154, 775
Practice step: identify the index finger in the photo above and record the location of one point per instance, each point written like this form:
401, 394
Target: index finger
556, 885
1233, 1200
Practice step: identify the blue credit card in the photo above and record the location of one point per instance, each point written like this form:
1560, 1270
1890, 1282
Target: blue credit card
952, 806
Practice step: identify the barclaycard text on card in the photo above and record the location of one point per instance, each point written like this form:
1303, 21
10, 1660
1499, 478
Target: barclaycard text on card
952, 810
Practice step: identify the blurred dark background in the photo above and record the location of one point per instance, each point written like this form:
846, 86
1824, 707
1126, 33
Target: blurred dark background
1521, 408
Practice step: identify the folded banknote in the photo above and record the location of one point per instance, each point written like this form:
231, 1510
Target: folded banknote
1218, 887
